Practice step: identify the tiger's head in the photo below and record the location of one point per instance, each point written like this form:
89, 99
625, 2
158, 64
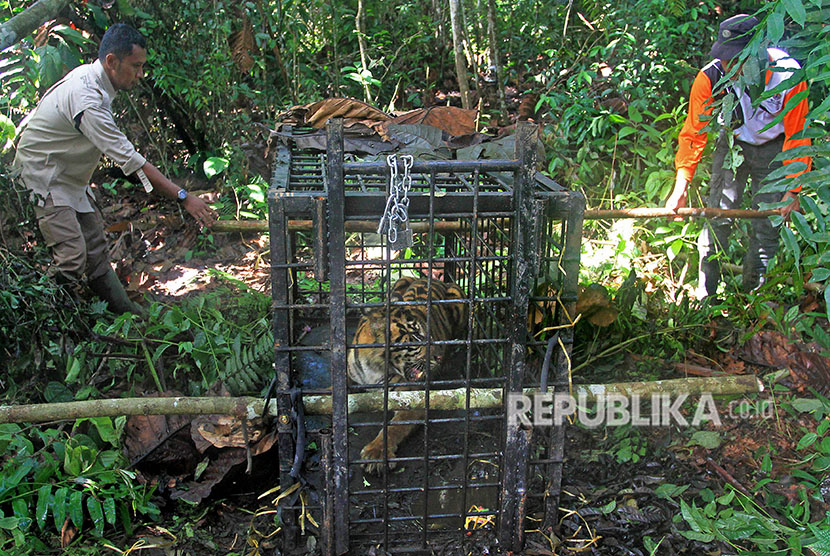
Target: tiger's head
407, 363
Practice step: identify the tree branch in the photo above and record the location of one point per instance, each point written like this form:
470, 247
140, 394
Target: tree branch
28, 21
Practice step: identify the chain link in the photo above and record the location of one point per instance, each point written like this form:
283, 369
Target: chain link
397, 204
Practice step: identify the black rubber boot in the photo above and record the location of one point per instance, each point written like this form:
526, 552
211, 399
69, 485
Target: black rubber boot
109, 288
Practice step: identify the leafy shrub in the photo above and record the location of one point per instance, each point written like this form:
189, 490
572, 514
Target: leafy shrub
51, 478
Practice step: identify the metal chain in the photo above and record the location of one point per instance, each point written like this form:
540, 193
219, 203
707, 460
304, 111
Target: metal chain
397, 204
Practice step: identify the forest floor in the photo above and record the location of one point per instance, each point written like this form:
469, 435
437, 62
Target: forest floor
615, 489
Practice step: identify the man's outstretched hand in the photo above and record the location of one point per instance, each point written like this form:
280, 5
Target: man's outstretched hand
677, 199
200, 210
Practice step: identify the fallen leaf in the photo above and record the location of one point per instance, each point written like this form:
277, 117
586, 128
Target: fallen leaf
455, 121
68, 533
318, 113
217, 469
223, 432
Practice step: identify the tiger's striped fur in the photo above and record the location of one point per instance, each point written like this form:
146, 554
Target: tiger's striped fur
408, 325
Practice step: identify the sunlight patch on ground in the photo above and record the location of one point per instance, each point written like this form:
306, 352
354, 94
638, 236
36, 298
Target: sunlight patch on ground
181, 280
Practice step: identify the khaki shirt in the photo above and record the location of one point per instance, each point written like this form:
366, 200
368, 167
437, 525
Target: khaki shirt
58, 152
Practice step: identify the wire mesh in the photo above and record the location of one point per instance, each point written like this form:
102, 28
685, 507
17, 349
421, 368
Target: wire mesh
458, 476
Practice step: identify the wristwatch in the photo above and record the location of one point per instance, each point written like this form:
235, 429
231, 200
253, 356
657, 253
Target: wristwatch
182, 194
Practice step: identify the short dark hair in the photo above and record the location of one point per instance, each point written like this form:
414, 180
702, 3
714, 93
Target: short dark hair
119, 39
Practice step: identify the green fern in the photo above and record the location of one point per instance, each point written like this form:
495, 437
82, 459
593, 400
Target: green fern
822, 545
248, 368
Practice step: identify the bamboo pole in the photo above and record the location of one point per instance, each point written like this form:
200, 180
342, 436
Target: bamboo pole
365, 226
659, 212
250, 407
452, 226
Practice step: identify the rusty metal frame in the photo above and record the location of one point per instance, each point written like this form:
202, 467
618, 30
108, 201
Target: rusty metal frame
540, 222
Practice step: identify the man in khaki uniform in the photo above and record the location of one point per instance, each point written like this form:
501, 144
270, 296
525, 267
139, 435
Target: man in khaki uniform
60, 148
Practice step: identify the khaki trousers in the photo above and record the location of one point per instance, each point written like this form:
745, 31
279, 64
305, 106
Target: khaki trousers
76, 240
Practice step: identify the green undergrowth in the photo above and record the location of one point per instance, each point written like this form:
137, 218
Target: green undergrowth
784, 507
70, 479
777, 507
67, 479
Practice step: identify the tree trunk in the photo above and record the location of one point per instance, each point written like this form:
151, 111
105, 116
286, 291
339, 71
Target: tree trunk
458, 47
29, 20
361, 43
495, 56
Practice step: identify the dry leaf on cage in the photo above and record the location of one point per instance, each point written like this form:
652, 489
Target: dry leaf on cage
318, 113
539, 310
455, 121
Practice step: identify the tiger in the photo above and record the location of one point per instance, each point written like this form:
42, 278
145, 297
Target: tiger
407, 363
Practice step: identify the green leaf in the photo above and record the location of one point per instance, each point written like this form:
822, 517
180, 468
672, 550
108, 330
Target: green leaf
106, 430
73, 369
822, 544
57, 392
14, 479
802, 227
775, 27
708, 439
791, 244
20, 507
827, 300
42, 508
109, 510
820, 274
796, 10
806, 405
76, 508
215, 165
9, 523
96, 512
806, 441
59, 507
674, 249
668, 490
695, 536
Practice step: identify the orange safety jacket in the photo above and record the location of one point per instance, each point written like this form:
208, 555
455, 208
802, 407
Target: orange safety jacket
691, 141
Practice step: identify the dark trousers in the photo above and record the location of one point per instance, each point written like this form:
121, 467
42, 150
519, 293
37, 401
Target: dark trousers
726, 190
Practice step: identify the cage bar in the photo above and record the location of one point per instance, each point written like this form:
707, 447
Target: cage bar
509, 238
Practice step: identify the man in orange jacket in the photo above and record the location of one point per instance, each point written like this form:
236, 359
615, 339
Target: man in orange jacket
758, 142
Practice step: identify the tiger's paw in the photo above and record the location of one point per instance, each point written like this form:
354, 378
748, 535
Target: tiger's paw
374, 450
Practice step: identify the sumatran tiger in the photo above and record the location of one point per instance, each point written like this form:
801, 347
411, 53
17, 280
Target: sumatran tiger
407, 363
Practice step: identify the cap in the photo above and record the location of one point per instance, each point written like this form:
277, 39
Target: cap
733, 35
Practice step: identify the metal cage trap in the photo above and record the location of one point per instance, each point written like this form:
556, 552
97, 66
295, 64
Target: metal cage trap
346, 237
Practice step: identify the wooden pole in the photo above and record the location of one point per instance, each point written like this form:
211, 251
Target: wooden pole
368, 402
659, 212
450, 226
